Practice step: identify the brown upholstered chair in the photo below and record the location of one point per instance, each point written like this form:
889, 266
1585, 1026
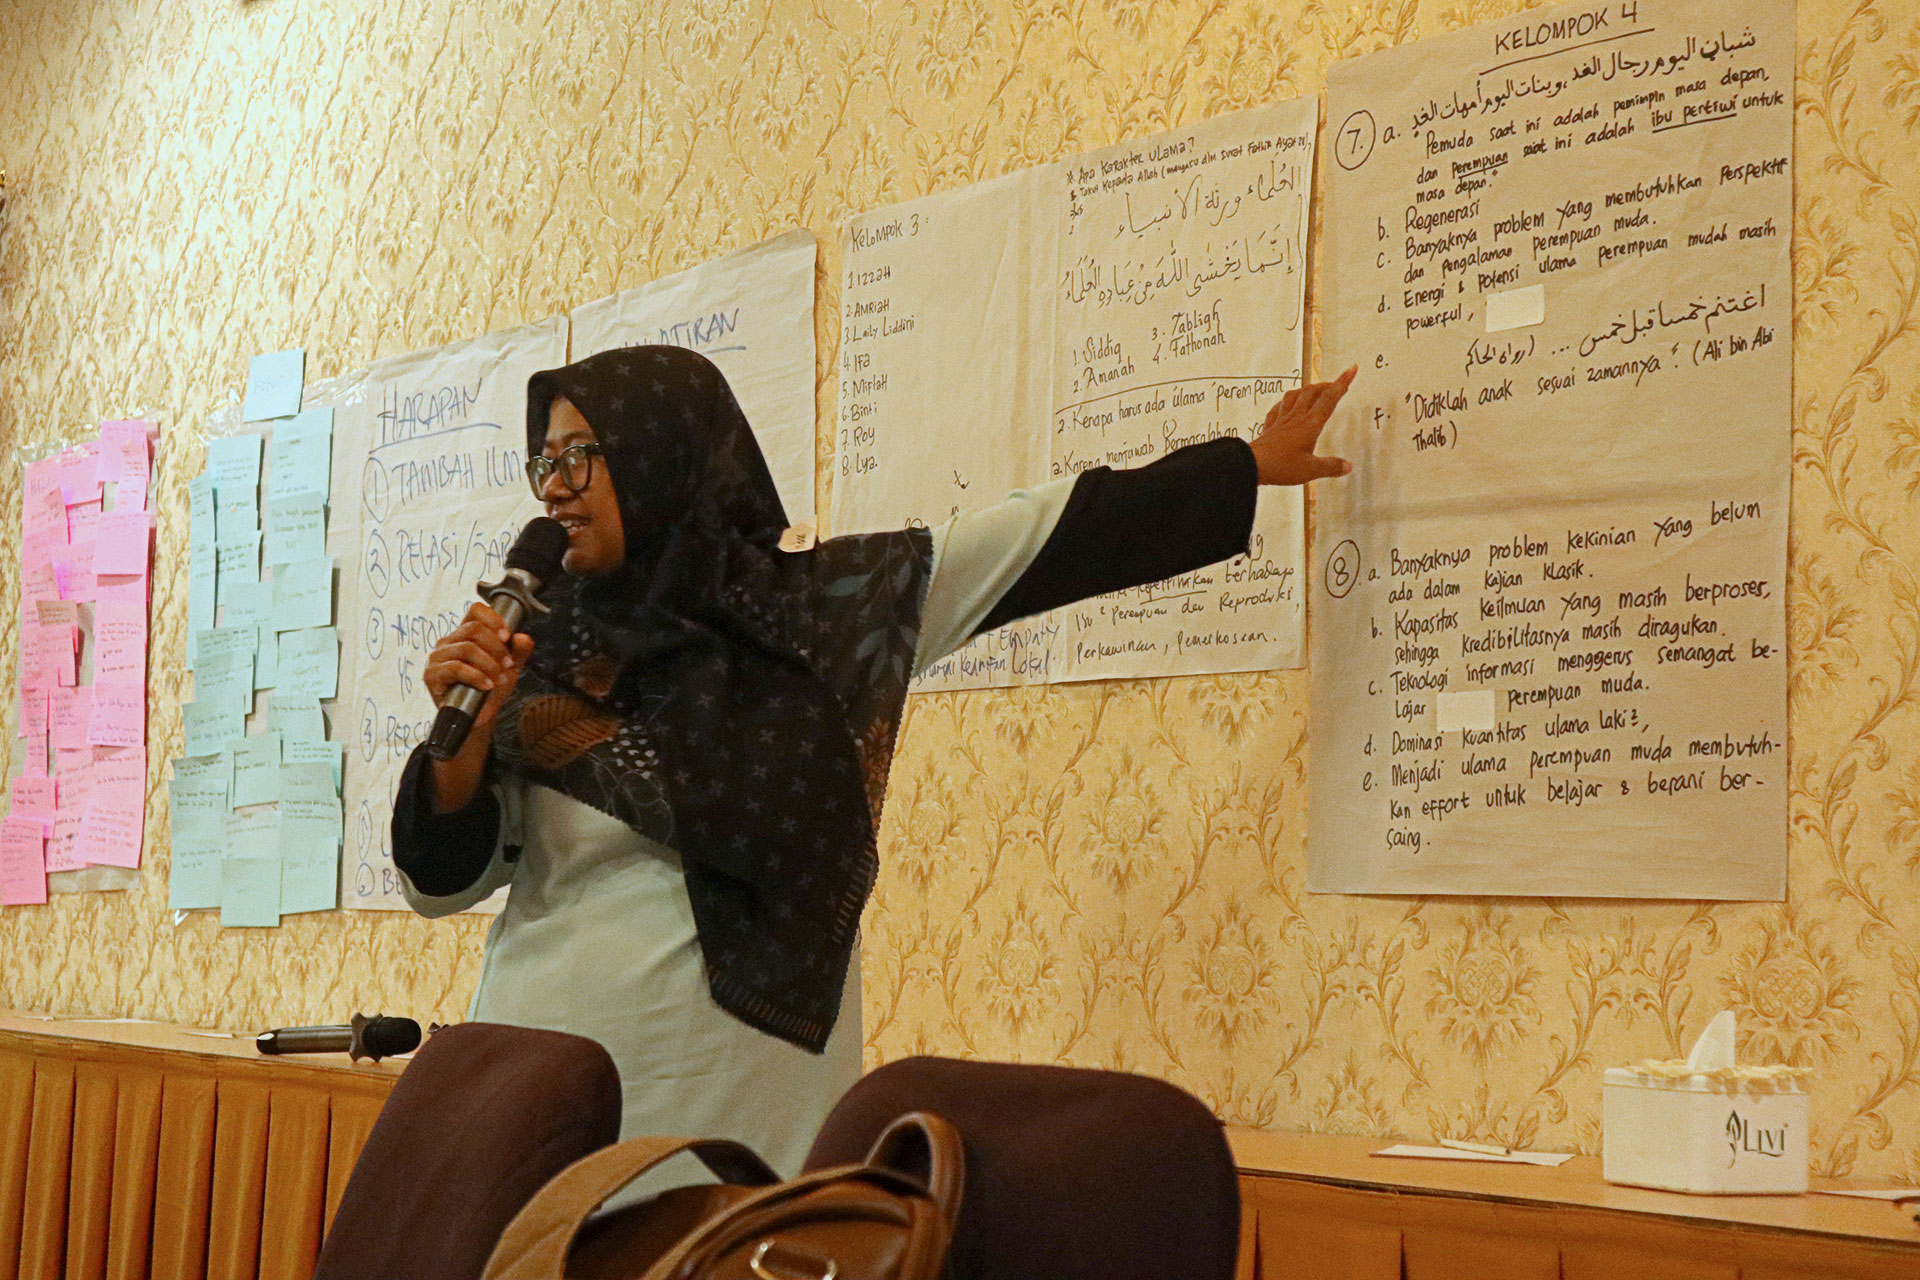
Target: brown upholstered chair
1071, 1174
483, 1116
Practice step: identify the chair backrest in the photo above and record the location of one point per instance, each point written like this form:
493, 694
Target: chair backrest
482, 1117
1071, 1174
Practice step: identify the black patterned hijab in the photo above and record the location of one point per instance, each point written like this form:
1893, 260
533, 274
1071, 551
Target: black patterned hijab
725, 698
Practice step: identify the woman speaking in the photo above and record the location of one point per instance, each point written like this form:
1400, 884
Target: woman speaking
677, 772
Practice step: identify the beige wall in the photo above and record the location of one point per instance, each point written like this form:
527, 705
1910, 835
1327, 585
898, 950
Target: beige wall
1106, 874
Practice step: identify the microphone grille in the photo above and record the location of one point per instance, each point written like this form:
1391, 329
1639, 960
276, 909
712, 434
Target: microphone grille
539, 548
384, 1037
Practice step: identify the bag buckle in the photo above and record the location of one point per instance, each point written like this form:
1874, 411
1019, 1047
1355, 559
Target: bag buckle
762, 1266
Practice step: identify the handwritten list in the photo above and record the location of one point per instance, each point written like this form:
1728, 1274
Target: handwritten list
1132, 300
438, 496
1548, 651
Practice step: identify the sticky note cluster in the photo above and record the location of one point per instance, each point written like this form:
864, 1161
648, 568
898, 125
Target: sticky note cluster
255, 799
86, 554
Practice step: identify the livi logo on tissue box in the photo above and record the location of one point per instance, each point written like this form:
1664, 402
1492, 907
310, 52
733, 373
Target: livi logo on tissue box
1706, 1124
1745, 1138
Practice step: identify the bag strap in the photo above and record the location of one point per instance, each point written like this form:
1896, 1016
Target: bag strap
535, 1244
928, 1148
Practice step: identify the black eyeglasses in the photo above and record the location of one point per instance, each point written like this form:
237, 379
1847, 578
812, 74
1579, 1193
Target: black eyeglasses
575, 465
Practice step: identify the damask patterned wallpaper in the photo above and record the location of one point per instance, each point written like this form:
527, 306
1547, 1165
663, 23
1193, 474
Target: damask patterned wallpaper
1105, 874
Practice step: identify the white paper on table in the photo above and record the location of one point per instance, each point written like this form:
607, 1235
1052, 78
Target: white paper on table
751, 313
1546, 1159
1895, 1194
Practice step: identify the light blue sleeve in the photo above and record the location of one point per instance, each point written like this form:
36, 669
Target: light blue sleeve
977, 557
499, 872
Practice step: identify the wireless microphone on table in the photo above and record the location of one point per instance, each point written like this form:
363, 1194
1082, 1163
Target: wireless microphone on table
533, 562
376, 1038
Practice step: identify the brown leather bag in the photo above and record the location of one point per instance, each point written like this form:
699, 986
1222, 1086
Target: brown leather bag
890, 1218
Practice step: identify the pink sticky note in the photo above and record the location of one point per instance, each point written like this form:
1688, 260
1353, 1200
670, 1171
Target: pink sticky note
127, 590
83, 522
74, 571
118, 717
115, 821
121, 544
126, 452
23, 863
36, 797
33, 714
119, 641
68, 714
79, 481
47, 656
74, 772
33, 752
43, 511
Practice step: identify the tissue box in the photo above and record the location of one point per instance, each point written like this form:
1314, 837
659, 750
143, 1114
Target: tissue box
1715, 1133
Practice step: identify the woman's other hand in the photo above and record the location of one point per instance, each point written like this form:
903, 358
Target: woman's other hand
1284, 447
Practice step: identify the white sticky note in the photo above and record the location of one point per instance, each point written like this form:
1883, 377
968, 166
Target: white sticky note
1516, 308
1472, 709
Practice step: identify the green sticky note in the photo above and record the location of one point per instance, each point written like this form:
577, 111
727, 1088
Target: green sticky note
300, 459
310, 663
250, 873
236, 517
212, 725
234, 463
203, 561
303, 594
296, 528
309, 863
248, 604
266, 663
309, 785
327, 753
223, 667
256, 770
275, 380
238, 565
193, 879
295, 720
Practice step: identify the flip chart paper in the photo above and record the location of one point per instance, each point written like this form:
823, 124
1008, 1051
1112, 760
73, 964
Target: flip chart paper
274, 382
751, 313
423, 435
1523, 521
1176, 316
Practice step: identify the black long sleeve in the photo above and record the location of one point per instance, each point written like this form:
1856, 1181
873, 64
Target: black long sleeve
442, 853
1119, 529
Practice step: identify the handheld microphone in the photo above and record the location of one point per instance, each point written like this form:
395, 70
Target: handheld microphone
532, 563
376, 1038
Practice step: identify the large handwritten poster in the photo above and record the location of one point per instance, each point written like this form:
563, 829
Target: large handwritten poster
1133, 300
751, 313
1549, 631
431, 461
